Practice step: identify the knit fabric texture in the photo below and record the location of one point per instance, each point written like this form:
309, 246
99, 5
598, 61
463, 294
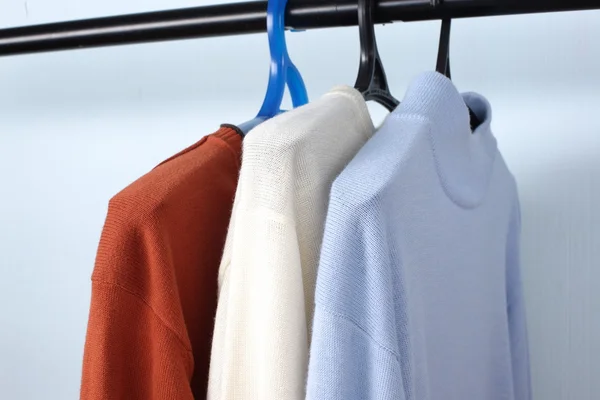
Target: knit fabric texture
267, 276
418, 291
154, 285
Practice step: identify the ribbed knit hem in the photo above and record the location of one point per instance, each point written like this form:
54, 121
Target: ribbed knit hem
235, 128
230, 134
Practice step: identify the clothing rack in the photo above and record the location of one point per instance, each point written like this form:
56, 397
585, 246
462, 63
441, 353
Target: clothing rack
250, 17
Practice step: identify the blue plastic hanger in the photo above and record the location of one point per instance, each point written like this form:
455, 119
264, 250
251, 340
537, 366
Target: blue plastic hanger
282, 70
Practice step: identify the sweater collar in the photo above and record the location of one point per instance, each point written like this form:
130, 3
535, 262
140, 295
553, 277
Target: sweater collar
359, 105
464, 159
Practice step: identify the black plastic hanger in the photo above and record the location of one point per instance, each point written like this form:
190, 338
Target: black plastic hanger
443, 64
443, 60
371, 80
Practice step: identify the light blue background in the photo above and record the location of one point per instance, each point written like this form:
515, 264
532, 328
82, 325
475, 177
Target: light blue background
77, 126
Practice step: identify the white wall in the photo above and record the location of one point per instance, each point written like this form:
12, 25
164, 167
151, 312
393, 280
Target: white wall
76, 127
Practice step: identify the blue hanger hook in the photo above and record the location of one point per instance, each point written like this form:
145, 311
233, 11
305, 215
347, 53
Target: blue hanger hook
282, 70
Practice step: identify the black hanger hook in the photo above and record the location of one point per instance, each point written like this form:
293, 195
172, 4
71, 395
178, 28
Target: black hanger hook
371, 80
443, 64
443, 61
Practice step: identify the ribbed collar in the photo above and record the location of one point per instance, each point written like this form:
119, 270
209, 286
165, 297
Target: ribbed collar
464, 160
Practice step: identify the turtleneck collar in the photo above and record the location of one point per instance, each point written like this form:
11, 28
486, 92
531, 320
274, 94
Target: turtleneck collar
464, 159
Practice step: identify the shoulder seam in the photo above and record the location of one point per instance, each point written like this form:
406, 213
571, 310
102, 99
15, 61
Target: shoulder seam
360, 328
141, 299
411, 116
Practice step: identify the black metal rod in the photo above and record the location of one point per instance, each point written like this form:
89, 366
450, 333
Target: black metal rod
249, 17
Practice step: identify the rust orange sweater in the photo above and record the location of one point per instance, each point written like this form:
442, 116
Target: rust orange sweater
154, 285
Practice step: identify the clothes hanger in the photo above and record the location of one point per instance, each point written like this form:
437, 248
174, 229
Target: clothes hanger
443, 64
371, 80
443, 60
282, 71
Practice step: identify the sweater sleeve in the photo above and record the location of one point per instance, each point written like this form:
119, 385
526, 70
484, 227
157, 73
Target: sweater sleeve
130, 353
516, 312
354, 351
260, 342
347, 364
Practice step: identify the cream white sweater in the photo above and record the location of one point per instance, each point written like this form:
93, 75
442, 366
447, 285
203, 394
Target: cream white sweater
267, 275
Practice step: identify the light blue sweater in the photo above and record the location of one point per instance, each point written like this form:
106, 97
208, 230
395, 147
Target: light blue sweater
418, 290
